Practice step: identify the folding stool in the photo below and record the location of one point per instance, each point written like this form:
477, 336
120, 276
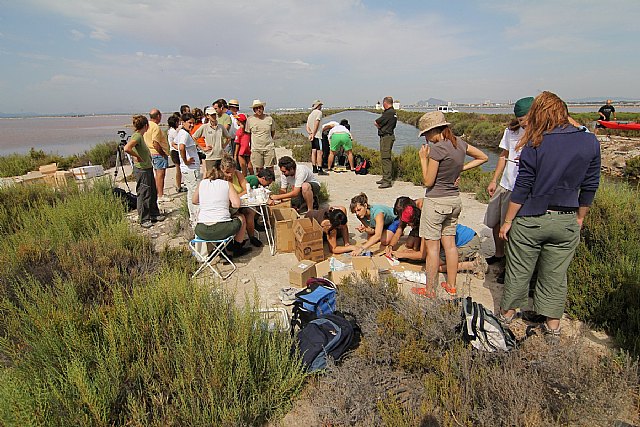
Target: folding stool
213, 257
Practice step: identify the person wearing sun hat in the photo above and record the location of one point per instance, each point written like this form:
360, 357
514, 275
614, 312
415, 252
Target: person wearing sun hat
262, 129
506, 171
442, 160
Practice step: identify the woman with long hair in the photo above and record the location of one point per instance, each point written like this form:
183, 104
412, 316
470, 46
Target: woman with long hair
557, 181
215, 195
378, 222
333, 221
442, 160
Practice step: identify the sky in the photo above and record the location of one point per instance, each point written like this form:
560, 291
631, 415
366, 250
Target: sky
89, 56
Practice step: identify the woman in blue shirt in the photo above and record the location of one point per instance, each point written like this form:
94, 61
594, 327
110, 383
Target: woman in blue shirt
558, 177
378, 221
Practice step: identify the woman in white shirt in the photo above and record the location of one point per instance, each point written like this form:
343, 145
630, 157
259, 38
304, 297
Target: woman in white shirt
215, 195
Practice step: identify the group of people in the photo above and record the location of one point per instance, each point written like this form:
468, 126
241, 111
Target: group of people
545, 180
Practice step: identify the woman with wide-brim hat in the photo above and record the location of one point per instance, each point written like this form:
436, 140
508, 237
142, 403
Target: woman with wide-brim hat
442, 160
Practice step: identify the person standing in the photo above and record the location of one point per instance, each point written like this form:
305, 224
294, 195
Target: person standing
442, 160
174, 124
262, 129
604, 113
224, 119
314, 131
189, 163
147, 195
386, 124
216, 139
155, 140
556, 184
506, 171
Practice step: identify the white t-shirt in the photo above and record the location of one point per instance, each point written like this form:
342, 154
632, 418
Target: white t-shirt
214, 201
314, 116
185, 139
303, 174
339, 129
171, 137
509, 141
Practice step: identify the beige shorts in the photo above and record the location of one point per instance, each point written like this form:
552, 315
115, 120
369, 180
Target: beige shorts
497, 207
261, 158
439, 217
465, 252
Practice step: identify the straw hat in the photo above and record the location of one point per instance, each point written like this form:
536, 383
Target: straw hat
431, 120
234, 103
316, 104
258, 103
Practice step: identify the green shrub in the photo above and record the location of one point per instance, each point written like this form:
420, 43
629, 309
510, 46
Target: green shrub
604, 277
632, 168
171, 352
476, 181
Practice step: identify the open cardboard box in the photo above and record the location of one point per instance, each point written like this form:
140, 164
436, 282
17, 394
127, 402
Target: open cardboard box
282, 219
301, 272
360, 265
308, 235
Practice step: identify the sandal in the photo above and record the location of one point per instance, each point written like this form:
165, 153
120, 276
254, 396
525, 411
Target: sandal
552, 336
451, 290
423, 292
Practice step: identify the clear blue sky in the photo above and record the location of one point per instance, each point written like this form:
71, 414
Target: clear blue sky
125, 56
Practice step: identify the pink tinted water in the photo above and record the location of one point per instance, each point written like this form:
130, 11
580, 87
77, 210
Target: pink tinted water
62, 135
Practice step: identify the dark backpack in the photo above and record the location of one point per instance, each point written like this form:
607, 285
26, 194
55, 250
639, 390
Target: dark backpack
128, 199
362, 165
482, 329
318, 298
330, 335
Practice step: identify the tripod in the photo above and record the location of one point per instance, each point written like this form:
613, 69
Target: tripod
119, 156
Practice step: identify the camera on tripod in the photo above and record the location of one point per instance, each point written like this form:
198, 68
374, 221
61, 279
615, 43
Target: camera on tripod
123, 137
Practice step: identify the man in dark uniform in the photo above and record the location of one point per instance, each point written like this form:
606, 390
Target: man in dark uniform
386, 123
605, 114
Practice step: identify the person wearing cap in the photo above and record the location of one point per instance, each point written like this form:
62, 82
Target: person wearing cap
216, 138
242, 153
313, 127
506, 171
386, 124
559, 174
442, 160
262, 129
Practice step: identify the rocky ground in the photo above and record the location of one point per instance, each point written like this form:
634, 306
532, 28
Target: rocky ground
616, 151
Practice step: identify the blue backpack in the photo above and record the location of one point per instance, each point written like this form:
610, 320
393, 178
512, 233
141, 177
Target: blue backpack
317, 299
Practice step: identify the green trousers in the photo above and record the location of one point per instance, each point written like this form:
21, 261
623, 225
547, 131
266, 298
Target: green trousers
550, 240
386, 144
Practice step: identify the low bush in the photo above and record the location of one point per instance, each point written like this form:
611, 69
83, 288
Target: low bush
604, 277
413, 369
170, 352
632, 168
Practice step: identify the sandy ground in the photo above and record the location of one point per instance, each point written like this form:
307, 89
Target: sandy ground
265, 275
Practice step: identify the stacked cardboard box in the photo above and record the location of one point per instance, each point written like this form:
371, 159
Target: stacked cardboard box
308, 235
282, 219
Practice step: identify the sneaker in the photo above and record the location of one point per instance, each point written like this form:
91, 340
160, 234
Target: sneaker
164, 199
552, 336
321, 172
183, 190
385, 185
255, 242
146, 224
506, 320
380, 181
451, 290
158, 218
423, 292
493, 259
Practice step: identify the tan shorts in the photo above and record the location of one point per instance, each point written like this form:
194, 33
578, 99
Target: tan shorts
439, 217
261, 158
497, 207
465, 252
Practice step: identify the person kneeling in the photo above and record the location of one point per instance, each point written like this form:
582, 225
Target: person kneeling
333, 221
297, 183
214, 195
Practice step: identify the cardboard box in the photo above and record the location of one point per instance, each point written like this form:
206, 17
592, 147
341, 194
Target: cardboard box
307, 230
63, 178
323, 269
301, 272
313, 250
362, 265
282, 222
48, 169
88, 172
33, 177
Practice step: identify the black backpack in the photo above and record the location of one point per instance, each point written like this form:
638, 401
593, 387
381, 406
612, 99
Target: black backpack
128, 199
329, 335
362, 165
318, 298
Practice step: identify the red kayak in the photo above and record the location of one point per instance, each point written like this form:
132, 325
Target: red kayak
620, 125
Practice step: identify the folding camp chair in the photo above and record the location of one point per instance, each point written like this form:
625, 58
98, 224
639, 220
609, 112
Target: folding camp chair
211, 259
